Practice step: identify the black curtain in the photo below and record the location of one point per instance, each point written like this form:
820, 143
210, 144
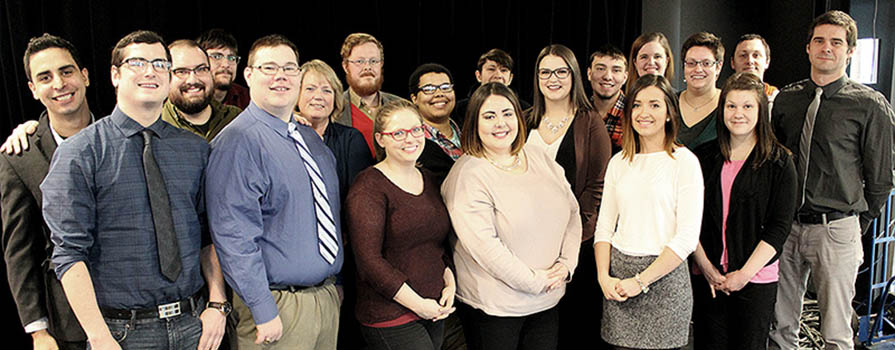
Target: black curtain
451, 33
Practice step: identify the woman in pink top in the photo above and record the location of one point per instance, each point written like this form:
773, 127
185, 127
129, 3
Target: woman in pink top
750, 199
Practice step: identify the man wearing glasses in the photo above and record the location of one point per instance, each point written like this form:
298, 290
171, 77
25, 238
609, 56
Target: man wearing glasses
190, 104
222, 51
362, 60
123, 200
431, 89
273, 204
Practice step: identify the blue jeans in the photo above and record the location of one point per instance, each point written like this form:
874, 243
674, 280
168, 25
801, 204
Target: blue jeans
180, 332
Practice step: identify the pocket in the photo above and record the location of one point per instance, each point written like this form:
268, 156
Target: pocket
119, 329
845, 230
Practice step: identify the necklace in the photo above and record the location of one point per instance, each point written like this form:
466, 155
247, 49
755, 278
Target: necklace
696, 108
517, 161
555, 128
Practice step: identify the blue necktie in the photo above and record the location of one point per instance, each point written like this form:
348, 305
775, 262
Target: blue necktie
327, 243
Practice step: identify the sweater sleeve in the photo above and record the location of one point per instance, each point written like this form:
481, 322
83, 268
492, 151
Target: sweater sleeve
690, 191
571, 242
782, 206
598, 153
608, 217
367, 209
471, 207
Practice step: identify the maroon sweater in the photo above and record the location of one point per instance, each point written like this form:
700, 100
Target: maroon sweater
397, 238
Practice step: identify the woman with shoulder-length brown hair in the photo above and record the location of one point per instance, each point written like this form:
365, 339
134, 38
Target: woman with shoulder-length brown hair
517, 227
750, 200
648, 225
650, 54
565, 125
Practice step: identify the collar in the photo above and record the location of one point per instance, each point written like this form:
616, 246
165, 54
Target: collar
274, 123
829, 89
357, 101
433, 132
56, 135
130, 127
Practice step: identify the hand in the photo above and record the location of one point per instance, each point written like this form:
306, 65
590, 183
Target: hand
447, 296
714, 278
43, 340
628, 288
213, 324
429, 309
17, 142
557, 276
106, 342
270, 331
735, 281
608, 285
301, 120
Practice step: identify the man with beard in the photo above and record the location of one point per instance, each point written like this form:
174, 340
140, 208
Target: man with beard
190, 105
493, 66
431, 89
362, 60
607, 74
222, 50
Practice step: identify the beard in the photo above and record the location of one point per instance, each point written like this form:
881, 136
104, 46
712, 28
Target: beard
223, 82
363, 88
192, 106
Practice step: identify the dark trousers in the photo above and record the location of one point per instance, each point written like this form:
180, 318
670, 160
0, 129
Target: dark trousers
417, 335
739, 321
537, 331
581, 309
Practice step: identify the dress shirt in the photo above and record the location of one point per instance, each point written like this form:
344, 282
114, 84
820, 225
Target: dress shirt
261, 208
97, 207
850, 170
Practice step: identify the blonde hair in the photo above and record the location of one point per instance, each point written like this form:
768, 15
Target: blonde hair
381, 119
320, 67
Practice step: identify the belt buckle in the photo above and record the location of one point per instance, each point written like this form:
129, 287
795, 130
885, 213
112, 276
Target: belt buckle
169, 310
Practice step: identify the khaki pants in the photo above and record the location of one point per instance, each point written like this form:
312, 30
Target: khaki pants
831, 253
310, 320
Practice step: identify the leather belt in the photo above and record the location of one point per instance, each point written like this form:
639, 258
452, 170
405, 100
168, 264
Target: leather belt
160, 311
820, 218
293, 289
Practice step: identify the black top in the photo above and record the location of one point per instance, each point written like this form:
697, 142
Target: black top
850, 165
351, 151
436, 161
703, 131
762, 205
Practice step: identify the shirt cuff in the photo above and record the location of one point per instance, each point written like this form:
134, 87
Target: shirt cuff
38, 325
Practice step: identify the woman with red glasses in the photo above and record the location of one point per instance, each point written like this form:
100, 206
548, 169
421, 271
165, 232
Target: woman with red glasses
397, 224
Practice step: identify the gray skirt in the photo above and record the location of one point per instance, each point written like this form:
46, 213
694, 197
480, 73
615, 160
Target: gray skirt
659, 319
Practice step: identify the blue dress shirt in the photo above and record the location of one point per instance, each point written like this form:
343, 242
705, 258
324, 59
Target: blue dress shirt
261, 208
96, 204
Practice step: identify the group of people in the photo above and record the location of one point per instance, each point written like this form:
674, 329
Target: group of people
300, 214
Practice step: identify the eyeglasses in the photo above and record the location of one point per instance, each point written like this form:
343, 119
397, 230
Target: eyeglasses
429, 89
290, 69
401, 134
561, 73
139, 63
184, 73
363, 61
219, 56
706, 64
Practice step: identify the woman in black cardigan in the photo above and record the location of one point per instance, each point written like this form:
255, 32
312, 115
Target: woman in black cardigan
750, 198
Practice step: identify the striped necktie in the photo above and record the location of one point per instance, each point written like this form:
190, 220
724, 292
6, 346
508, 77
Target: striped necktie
327, 243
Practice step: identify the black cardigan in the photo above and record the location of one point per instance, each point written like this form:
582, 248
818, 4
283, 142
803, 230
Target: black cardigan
762, 205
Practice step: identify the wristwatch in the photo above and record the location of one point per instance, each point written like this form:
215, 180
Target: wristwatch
225, 307
643, 288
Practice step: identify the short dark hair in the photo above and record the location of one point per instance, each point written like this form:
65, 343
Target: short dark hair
837, 18
607, 50
137, 37
188, 43
48, 41
501, 57
470, 141
413, 84
630, 137
747, 37
707, 40
271, 40
217, 38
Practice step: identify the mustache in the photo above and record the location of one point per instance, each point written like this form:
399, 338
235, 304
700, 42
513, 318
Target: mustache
185, 87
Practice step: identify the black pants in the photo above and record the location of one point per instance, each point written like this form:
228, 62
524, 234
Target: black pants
417, 335
537, 331
738, 321
581, 309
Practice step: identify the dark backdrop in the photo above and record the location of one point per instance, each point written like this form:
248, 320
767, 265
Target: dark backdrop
453, 34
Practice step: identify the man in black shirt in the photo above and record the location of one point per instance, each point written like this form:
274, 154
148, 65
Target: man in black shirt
845, 175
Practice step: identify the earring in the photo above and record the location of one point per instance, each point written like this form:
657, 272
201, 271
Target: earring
667, 119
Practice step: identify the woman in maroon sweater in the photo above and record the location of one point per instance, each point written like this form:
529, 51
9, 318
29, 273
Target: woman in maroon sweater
397, 224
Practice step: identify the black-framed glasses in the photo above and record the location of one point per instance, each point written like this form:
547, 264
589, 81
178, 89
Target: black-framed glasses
184, 73
429, 89
139, 63
363, 61
706, 64
401, 134
219, 56
560, 73
290, 69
